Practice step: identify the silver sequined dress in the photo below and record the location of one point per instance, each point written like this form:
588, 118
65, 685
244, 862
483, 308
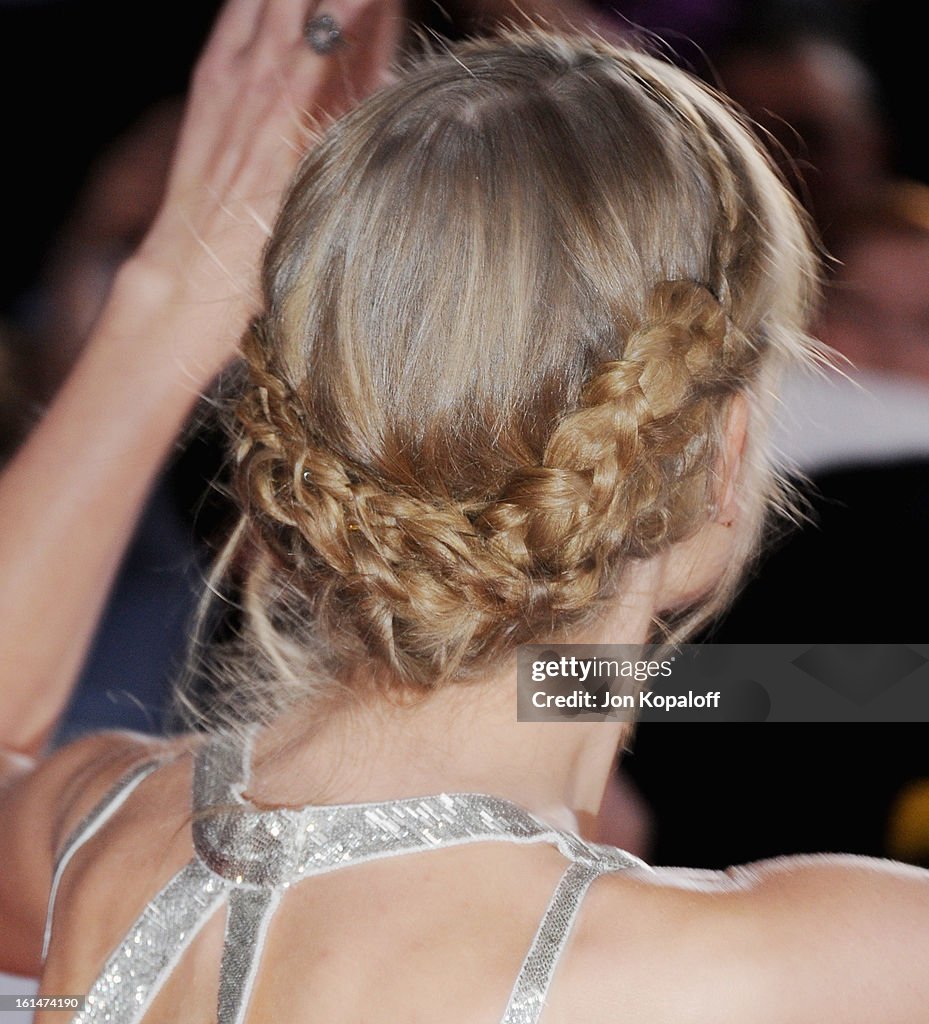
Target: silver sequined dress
247, 859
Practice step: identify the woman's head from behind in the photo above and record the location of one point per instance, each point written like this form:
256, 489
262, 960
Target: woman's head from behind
509, 300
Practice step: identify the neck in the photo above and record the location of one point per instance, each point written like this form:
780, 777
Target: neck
463, 738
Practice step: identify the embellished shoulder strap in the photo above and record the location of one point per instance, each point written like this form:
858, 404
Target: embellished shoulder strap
91, 823
527, 1000
282, 846
261, 853
138, 967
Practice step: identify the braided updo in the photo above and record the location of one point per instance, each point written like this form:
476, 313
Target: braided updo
508, 300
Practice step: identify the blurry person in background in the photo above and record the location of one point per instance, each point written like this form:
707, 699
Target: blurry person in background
816, 103
876, 317
877, 313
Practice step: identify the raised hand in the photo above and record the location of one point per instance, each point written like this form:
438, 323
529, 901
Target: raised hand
70, 498
259, 92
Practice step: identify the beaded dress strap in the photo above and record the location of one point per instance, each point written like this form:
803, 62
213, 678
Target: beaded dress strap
88, 826
247, 858
262, 852
139, 966
279, 847
527, 1000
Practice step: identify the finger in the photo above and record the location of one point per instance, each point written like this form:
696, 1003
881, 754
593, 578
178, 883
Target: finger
234, 28
283, 21
371, 31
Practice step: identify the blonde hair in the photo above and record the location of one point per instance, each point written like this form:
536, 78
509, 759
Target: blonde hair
507, 302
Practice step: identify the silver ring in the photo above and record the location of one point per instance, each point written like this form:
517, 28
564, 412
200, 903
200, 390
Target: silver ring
323, 34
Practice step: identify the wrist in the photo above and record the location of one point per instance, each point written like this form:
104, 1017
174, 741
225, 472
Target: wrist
157, 322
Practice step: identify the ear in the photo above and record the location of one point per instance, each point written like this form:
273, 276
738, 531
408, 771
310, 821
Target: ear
735, 435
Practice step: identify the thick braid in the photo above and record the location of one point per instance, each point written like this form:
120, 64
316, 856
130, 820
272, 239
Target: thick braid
399, 564
432, 586
623, 471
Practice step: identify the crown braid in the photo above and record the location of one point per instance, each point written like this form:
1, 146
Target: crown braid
431, 586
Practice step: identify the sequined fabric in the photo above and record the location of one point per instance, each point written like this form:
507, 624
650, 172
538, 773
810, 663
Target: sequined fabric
283, 846
138, 966
247, 858
250, 913
527, 999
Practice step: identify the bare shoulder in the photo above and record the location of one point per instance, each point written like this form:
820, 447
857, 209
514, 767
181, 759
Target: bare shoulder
40, 803
82, 773
795, 939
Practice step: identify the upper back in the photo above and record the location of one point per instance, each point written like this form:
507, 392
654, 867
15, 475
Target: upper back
448, 916
441, 935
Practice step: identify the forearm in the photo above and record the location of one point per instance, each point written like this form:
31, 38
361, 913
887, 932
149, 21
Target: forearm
71, 497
